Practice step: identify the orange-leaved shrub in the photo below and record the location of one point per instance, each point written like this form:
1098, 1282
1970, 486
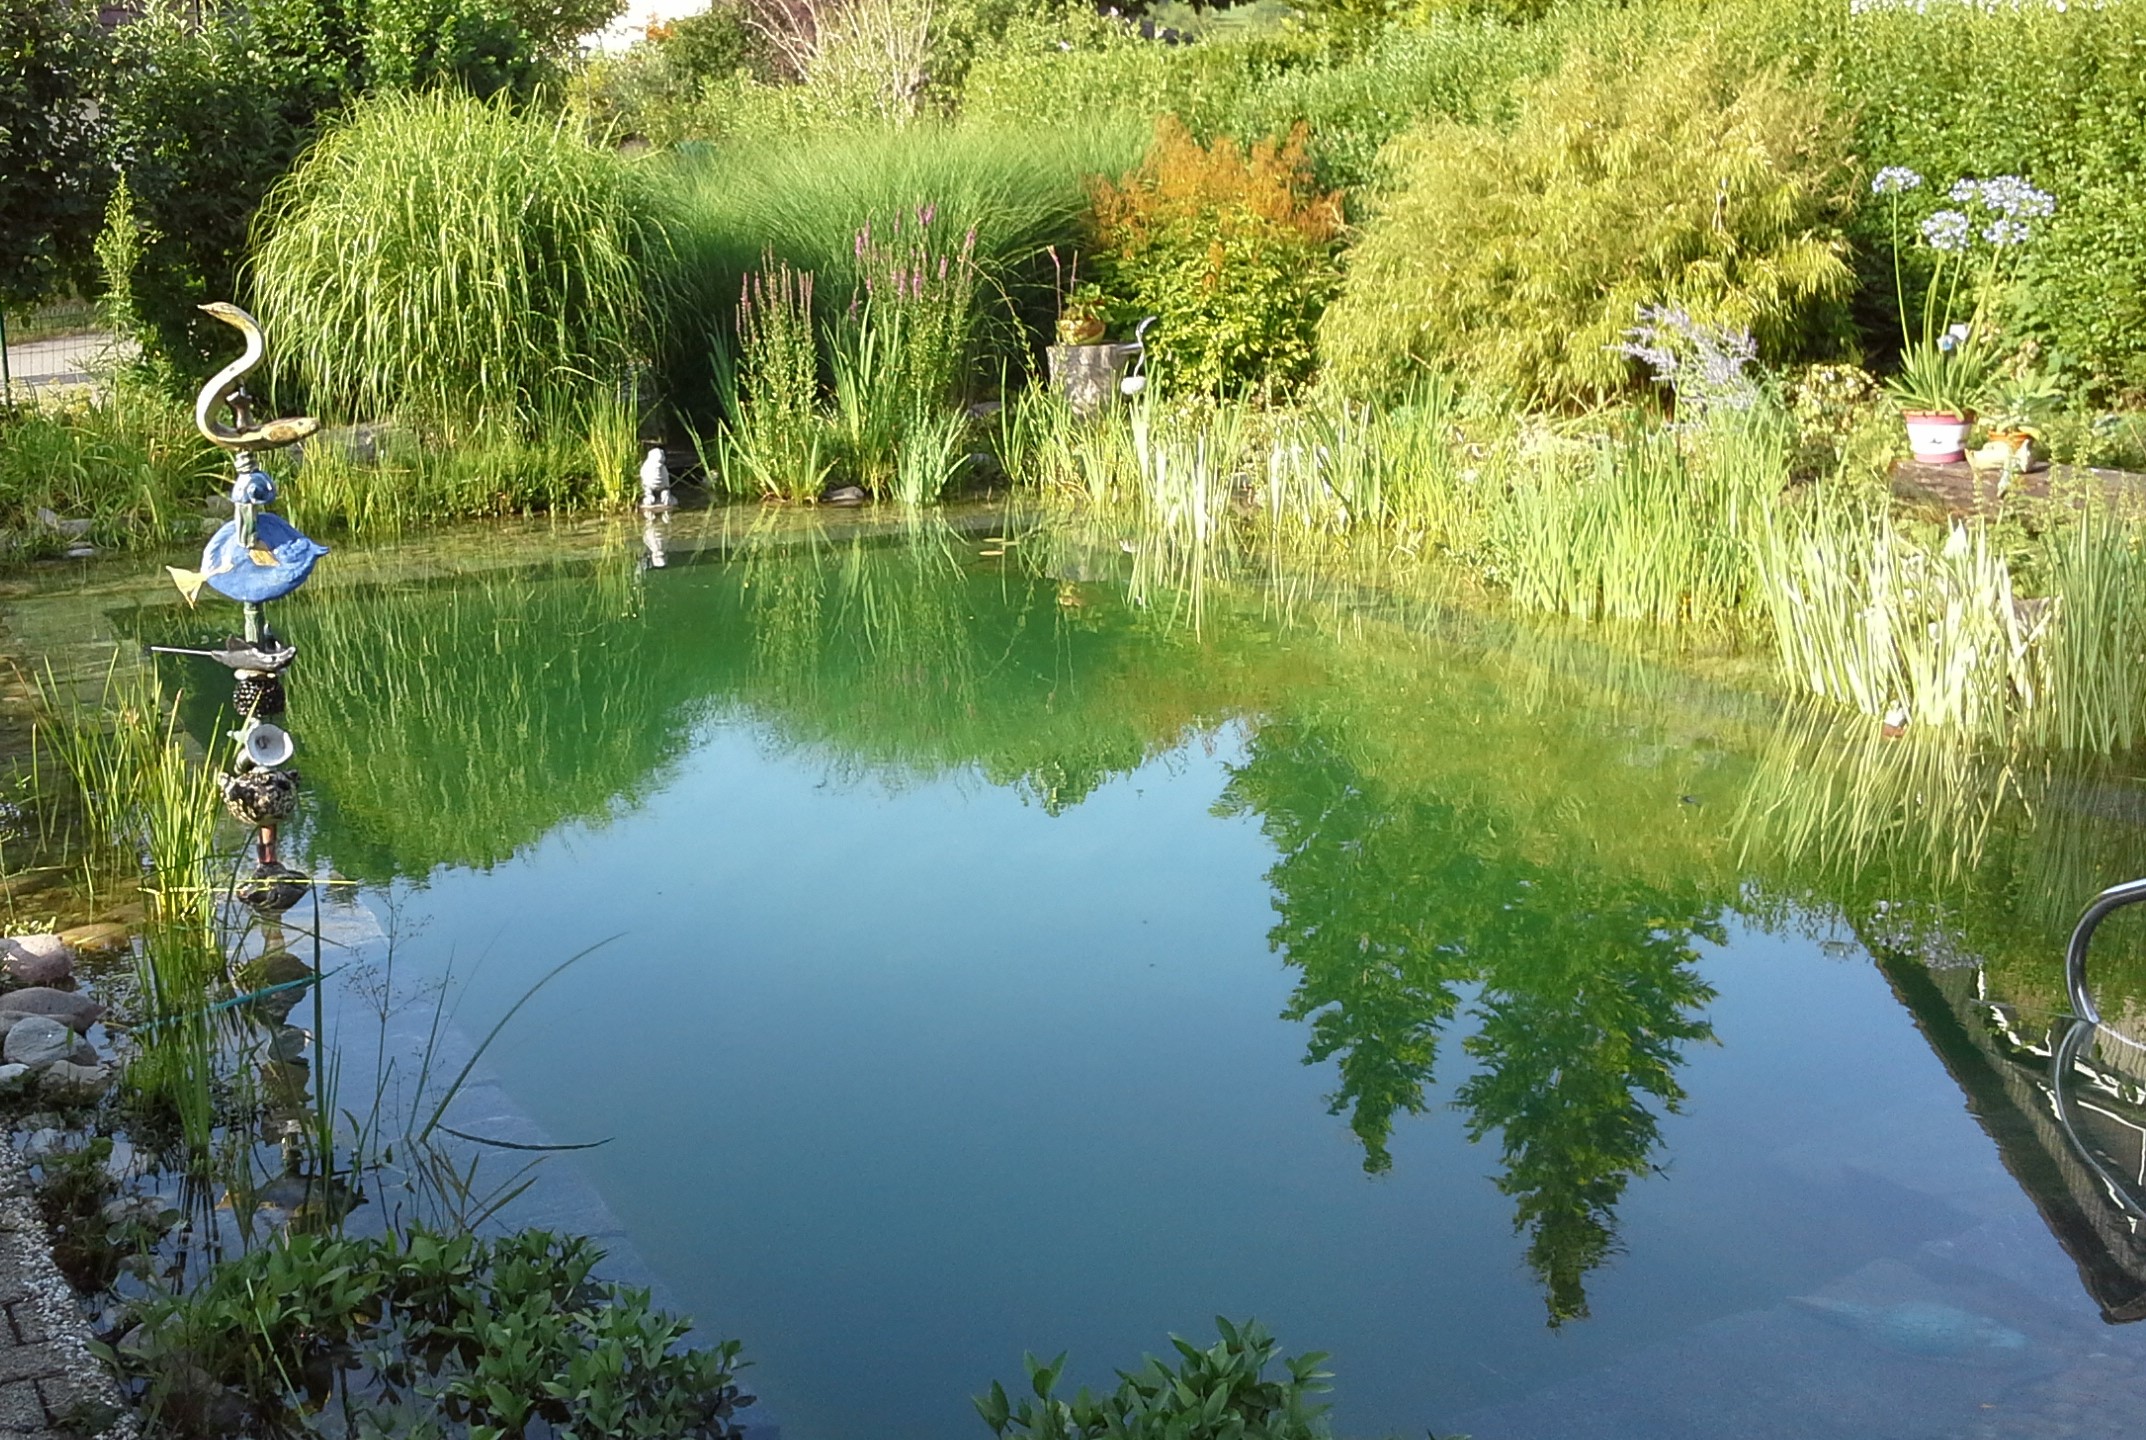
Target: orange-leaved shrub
1231, 249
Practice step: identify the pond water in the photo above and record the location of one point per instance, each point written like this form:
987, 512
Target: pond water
990, 958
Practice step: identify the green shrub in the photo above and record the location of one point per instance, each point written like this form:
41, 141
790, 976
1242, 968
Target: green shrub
463, 266
49, 141
204, 117
1521, 257
1228, 250
1220, 1393
1076, 68
470, 45
2054, 94
1451, 66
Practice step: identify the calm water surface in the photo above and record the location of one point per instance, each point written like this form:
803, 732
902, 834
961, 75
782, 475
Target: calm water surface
1569, 1046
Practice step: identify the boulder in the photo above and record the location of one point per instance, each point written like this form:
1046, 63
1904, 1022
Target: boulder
38, 1041
13, 1078
101, 937
67, 1079
77, 1010
37, 959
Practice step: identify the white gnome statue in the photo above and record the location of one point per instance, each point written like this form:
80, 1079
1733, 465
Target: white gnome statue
656, 481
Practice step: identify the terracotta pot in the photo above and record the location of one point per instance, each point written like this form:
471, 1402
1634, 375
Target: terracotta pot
1938, 438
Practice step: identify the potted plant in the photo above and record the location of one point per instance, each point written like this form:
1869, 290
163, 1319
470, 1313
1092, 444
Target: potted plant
1947, 369
2020, 403
1083, 315
1940, 382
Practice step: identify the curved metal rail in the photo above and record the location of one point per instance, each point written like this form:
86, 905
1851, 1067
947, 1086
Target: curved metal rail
2115, 898
2061, 1062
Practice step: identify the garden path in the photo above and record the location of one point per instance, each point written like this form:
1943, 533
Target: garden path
51, 1386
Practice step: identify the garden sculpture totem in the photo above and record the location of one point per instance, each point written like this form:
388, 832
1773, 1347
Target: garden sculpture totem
256, 557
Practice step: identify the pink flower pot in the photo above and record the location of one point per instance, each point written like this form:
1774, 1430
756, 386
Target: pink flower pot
1938, 438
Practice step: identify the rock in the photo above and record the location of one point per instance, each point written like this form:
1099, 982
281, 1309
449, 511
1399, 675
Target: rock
84, 1053
98, 938
38, 1041
13, 1078
844, 495
37, 959
140, 1209
65, 1078
77, 1010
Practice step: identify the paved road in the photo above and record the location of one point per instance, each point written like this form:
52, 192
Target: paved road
67, 359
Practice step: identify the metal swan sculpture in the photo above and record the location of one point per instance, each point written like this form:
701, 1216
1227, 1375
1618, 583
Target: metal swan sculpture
223, 389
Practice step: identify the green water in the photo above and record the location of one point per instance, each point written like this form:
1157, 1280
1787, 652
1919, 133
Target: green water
999, 960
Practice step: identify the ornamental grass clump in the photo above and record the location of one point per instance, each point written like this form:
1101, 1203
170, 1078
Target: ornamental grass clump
1517, 257
464, 266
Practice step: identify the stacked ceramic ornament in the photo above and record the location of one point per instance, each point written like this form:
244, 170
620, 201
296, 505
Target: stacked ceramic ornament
256, 558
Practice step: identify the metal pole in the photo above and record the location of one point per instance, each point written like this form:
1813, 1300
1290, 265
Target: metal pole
7, 377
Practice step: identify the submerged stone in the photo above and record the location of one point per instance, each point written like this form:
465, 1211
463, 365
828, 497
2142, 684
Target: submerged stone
1919, 1327
77, 1010
37, 959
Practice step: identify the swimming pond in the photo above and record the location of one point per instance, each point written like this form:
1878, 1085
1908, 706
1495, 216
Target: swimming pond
985, 961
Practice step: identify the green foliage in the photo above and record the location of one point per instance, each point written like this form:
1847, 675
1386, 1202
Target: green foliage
466, 266
805, 200
204, 118
128, 461
1077, 69
1519, 258
1456, 67
1220, 1393
2054, 94
470, 45
49, 145
497, 1334
1230, 253
772, 445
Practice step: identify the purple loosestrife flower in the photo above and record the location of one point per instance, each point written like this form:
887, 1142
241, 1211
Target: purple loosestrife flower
926, 214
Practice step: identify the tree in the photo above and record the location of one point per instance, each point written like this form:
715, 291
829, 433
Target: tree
51, 179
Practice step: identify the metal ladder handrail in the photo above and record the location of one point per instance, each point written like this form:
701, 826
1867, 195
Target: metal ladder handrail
2115, 898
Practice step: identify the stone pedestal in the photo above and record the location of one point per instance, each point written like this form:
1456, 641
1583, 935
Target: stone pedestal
1088, 375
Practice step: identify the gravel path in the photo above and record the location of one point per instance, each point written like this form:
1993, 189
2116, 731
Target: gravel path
50, 1385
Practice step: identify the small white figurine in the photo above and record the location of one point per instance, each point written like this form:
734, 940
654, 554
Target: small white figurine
656, 481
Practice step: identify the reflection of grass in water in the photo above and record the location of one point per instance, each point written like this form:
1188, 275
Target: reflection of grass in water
904, 663
1944, 850
459, 722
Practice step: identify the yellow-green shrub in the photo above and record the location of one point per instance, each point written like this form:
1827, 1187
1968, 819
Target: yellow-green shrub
1229, 249
1519, 257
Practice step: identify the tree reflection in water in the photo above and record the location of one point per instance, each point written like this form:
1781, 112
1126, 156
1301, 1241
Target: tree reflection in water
1586, 988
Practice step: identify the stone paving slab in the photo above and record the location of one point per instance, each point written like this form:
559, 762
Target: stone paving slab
51, 1386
